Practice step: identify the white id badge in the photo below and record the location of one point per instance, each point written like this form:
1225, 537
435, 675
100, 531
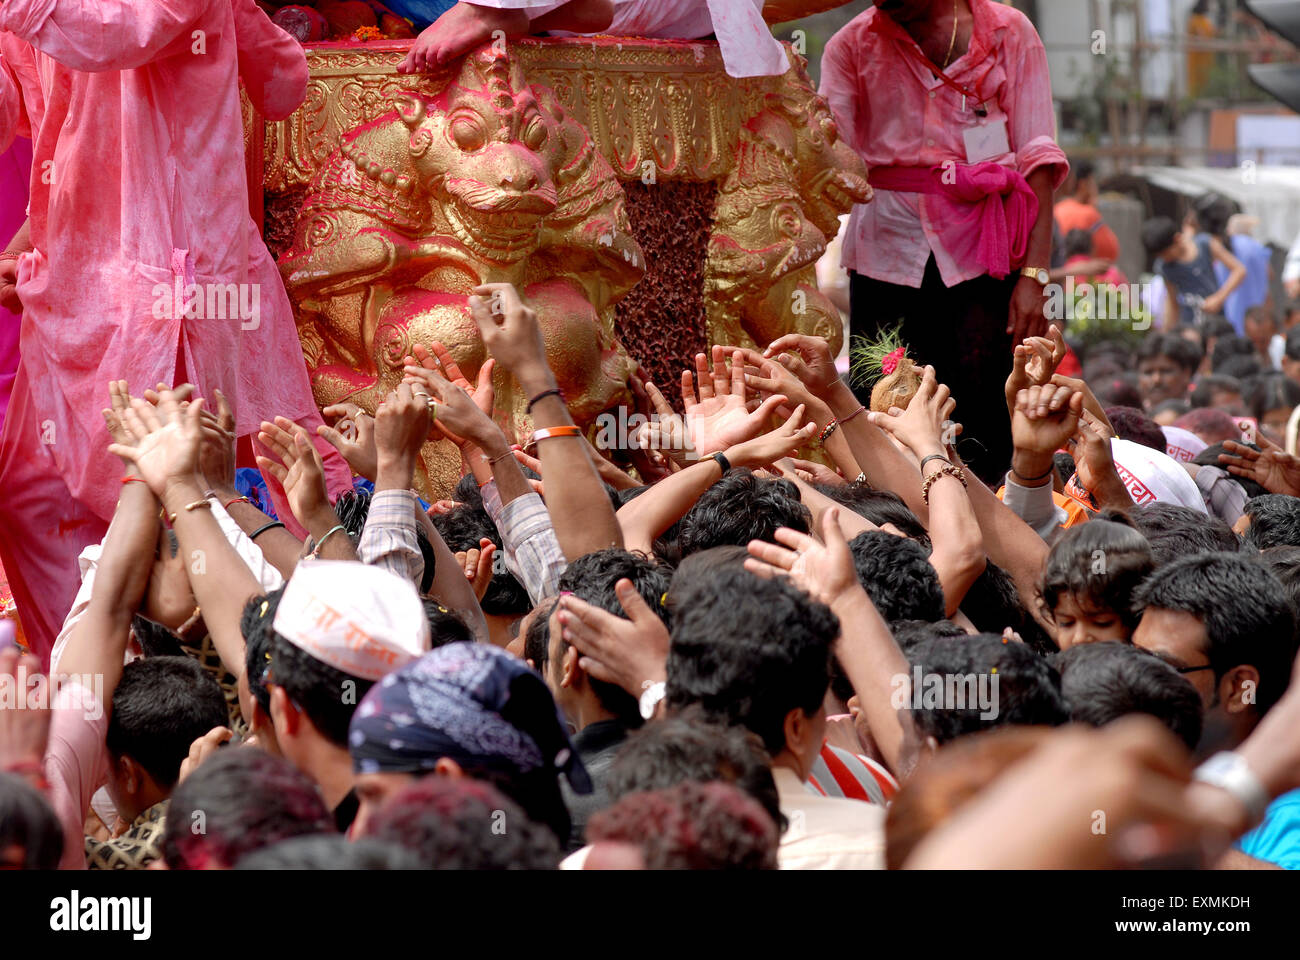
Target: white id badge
986, 140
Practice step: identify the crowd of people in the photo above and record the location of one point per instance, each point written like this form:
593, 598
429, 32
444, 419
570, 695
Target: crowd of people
801, 631
858, 660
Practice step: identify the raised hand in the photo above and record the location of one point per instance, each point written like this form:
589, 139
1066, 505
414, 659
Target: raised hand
921, 427
23, 733
477, 564
217, 454
720, 417
353, 436
772, 446
815, 365
401, 426
299, 470
777, 378
824, 571
666, 432
456, 414
629, 653
438, 359
1096, 467
1034, 361
511, 333
1273, 469
1045, 418
168, 440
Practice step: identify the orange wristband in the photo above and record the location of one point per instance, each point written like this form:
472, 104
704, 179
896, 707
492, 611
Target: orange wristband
547, 432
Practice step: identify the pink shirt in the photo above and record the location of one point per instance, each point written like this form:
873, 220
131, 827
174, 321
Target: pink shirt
138, 181
918, 121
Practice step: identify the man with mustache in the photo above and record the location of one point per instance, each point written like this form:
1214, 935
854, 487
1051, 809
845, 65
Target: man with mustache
950, 105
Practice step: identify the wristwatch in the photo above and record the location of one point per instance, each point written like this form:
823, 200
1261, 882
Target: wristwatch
1037, 273
654, 692
1231, 772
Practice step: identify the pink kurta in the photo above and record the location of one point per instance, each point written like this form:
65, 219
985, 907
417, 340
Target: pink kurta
895, 113
138, 191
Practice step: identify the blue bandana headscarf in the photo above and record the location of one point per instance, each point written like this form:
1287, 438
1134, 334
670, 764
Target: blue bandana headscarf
470, 702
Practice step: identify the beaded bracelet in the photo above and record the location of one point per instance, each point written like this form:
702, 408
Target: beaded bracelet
826, 433
950, 471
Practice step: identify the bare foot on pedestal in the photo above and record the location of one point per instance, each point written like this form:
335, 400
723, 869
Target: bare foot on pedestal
461, 29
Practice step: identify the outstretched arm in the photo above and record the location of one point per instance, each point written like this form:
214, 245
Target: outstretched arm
575, 495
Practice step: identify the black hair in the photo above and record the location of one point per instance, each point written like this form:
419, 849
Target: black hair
160, 707
1285, 564
255, 625
878, 506
1208, 384
1119, 391
1158, 234
749, 651
591, 577
1132, 424
992, 603
739, 508
1261, 314
687, 746
445, 626
1078, 243
461, 529
1107, 680
330, 851
1247, 616
1273, 391
27, 821
1175, 531
1274, 521
463, 824
897, 574
1025, 688
1182, 352
243, 799
1243, 367
537, 638
1176, 407
1083, 169
1064, 463
327, 695
909, 633
1100, 564
1293, 343
1229, 346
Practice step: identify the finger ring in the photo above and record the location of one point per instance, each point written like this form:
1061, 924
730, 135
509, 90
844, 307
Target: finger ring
420, 393
433, 410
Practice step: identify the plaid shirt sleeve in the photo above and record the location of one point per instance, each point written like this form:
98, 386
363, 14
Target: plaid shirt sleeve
388, 539
532, 552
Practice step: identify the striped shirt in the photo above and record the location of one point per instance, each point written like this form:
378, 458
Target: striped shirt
839, 773
532, 551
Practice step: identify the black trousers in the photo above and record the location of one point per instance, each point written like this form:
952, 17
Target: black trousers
961, 332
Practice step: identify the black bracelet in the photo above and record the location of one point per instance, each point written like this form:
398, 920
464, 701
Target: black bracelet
263, 528
934, 456
1033, 480
554, 392
722, 462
